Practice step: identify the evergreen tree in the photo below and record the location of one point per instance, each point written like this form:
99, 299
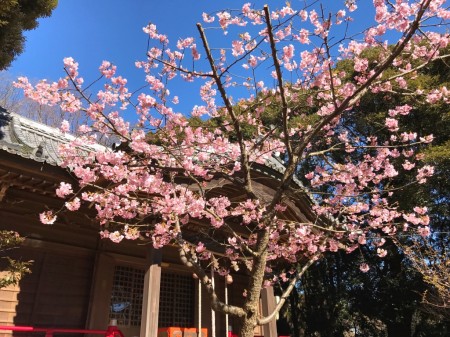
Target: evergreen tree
15, 17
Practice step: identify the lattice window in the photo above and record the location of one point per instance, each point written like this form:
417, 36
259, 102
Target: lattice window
126, 296
177, 301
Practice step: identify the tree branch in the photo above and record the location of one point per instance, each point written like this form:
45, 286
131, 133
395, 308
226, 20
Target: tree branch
287, 292
276, 62
244, 155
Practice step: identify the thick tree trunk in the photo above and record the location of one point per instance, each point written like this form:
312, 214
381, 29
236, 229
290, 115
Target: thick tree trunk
248, 326
254, 286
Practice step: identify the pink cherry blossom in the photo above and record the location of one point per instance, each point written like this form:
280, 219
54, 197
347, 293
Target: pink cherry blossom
207, 18
73, 205
408, 165
364, 267
420, 210
238, 48
116, 237
392, 124
64, 190
424, 231
65, 126
424, 172
381, 252
47, 218
200, 248
107, 69
427, 139
71, 66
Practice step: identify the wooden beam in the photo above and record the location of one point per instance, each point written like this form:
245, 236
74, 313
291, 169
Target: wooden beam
150, 302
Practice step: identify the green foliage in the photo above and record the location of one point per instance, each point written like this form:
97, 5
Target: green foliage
268, 110
12, 270
15, 17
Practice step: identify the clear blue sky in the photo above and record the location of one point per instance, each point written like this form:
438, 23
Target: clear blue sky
95, 30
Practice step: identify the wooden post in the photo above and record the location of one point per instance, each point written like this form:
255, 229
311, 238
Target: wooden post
268, 305
199, 308
150, 301
213, 313
227, 328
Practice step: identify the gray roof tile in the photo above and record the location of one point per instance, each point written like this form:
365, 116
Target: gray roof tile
30, 139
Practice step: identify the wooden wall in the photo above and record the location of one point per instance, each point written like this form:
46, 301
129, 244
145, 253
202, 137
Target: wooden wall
55, 294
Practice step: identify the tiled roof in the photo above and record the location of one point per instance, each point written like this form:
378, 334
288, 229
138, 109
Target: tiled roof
30, 139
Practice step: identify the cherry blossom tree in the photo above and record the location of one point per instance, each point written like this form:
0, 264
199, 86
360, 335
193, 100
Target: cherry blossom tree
170, 170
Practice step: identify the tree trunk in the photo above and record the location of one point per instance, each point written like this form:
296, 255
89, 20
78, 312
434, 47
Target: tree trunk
254, 286
247, 329
248, 326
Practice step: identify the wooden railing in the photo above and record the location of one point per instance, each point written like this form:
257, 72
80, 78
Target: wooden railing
111, 331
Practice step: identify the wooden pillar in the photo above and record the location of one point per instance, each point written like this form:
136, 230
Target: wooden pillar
150, 302
268, 305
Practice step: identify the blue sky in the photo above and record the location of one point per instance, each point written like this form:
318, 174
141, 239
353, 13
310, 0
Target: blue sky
91, 31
